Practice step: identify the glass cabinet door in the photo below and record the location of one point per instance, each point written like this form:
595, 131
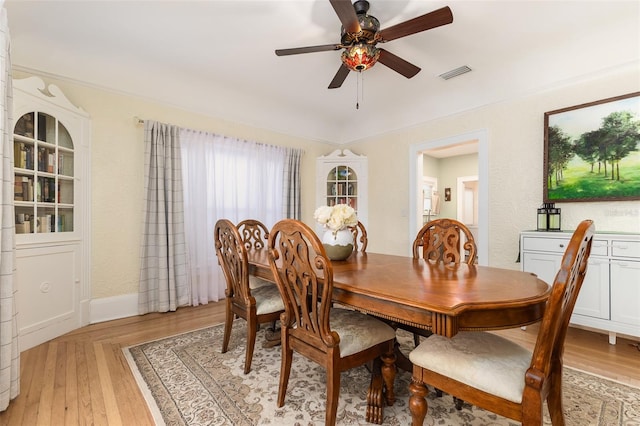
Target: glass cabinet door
43, 175
342, 187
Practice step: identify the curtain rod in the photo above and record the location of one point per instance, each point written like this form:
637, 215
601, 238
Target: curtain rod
137, 120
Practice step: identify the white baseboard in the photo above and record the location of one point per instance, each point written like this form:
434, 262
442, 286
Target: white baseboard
110, 308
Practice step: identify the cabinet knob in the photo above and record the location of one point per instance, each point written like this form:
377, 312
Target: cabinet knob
561, 245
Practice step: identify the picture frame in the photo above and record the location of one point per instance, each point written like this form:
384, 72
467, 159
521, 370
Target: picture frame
592, 151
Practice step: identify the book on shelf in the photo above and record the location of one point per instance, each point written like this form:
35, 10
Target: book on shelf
30, 190
62, 223
45, 190
17, 154
22, 156
23, 228
44, 223
29, 158
18, 190
50, 162
23, 188
41, 156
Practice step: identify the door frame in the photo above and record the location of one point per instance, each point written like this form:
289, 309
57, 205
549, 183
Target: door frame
415, 185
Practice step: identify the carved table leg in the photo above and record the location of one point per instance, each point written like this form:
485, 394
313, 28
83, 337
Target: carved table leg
272, 336
375, 394
389, 376
417, 402
381, 389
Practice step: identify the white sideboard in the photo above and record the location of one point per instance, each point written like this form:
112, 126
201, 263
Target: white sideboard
609, 299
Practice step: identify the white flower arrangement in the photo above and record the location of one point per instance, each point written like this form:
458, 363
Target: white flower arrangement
336, 217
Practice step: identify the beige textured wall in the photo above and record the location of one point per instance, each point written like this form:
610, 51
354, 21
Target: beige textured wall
515, 132
117, 175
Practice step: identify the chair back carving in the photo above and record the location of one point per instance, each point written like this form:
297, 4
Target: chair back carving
253, 233
549, 347
440, 242
232, 256
360, 240
304, 276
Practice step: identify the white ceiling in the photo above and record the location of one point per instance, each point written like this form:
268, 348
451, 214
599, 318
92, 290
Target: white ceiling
217, 57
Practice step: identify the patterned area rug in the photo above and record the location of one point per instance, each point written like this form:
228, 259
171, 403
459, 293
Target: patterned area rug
187, 381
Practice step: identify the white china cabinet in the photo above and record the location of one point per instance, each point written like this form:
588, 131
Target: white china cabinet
51, 186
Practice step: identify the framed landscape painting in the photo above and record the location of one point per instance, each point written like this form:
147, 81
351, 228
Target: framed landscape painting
592, 151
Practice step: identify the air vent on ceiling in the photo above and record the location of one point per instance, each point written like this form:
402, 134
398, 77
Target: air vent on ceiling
455, 72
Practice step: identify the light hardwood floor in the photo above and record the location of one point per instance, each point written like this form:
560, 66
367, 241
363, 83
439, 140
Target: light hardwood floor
83, 378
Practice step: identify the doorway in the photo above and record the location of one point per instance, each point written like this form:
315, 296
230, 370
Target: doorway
454, 145
467, 203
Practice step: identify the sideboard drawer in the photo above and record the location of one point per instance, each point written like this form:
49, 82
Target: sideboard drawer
621, 248
599, 247
552, 245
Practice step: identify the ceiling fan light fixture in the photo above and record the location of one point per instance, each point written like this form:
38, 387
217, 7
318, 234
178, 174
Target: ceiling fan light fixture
360, 56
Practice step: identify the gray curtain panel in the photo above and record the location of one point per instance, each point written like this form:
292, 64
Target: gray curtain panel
9, 350
163, 270
291, 184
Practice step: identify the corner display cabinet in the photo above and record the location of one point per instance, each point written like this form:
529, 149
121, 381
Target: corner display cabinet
51, 184
342, 179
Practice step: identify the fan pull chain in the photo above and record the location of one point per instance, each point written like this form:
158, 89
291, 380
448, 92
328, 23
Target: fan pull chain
358, 76
359, 89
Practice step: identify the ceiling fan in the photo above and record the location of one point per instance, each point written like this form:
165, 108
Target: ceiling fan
361, 33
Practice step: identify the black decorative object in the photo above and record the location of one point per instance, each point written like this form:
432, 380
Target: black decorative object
548, 217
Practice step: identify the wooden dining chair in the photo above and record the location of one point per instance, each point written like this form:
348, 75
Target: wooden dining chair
360, 240
498, 375
253, 233
440, 241
337, 339
255, 305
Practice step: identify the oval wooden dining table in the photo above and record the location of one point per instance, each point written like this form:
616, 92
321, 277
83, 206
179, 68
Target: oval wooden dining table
443, 298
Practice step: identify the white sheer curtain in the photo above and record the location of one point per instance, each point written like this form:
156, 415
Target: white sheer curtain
231, 179
9, 350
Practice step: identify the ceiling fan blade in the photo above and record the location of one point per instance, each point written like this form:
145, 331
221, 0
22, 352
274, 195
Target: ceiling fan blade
347, 15
309, 49
339, 78
425, 22
398, 64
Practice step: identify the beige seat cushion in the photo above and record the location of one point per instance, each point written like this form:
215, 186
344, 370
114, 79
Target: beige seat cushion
267, 299
358, 331
483, 360
255, 282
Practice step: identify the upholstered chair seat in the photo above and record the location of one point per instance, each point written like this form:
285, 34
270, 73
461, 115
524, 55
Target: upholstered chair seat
482, 360
358, 331
268, 298
255, 282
